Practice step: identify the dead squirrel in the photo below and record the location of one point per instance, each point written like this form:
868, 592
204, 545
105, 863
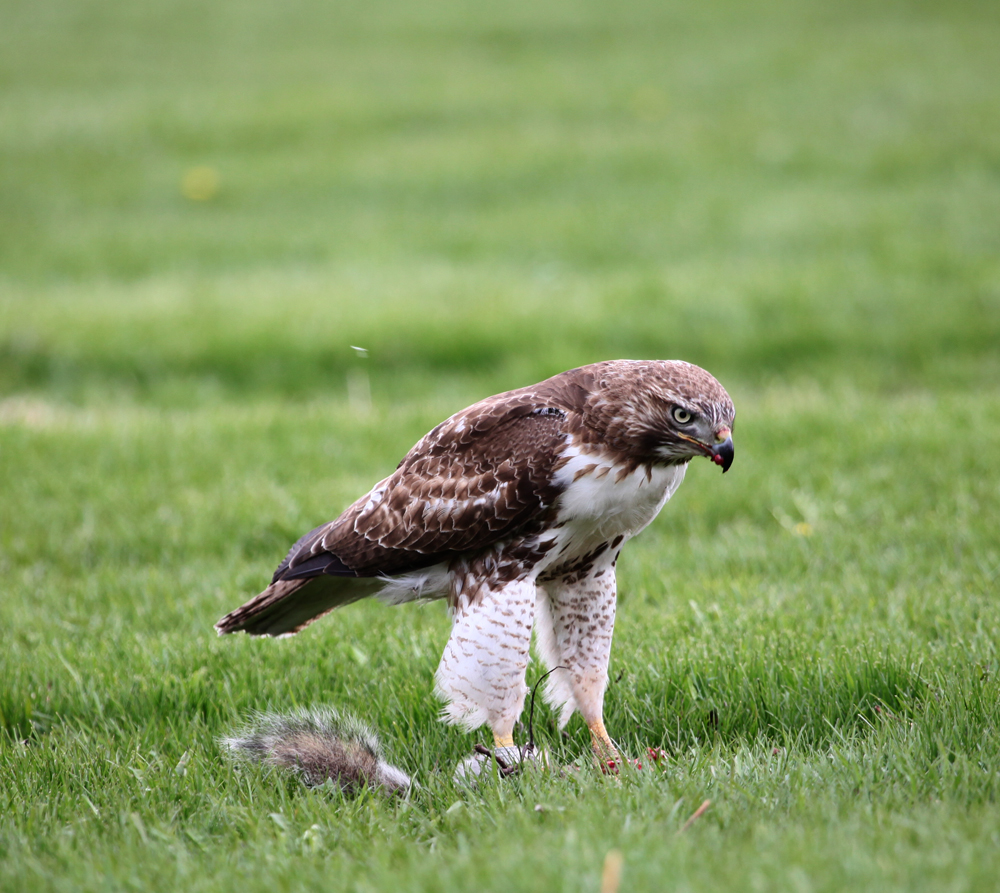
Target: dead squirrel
318, 745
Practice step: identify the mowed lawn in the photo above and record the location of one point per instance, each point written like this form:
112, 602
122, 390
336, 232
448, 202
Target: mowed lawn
204, 206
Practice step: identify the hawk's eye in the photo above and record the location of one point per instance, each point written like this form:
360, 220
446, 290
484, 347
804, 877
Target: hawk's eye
681, 415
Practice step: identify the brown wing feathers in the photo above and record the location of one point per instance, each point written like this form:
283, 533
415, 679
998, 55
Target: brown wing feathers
289, 605
477, 478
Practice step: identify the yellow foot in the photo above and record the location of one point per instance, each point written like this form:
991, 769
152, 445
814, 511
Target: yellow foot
605, 752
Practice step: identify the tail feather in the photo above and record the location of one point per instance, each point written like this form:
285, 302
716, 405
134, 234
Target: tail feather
287, 606
319, 745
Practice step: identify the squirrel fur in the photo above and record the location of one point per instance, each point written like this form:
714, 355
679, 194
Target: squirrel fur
318, 745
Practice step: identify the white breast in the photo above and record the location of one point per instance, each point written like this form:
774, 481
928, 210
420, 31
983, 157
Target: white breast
601, 499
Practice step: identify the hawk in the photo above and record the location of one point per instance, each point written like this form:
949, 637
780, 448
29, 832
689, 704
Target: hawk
514, 510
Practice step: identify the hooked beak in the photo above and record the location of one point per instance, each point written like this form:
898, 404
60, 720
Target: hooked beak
722, 452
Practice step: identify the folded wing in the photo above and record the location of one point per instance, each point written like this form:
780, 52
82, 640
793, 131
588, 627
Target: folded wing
484, 475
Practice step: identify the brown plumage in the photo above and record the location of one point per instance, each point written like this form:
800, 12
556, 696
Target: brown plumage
532, 489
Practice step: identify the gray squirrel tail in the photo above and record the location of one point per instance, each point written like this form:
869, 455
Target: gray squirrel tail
319, 745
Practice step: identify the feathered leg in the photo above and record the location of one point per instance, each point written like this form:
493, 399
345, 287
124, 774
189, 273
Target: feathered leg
481, 674
575, 621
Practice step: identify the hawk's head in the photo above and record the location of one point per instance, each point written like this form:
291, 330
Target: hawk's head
666, 410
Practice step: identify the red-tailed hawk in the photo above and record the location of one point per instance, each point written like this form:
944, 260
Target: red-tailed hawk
514, 510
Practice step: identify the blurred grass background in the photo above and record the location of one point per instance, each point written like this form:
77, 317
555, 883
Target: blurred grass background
203, 206
769, 189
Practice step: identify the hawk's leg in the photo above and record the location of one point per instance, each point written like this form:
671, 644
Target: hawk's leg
481, 674
576, 618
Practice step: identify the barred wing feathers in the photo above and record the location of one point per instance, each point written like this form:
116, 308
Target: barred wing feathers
483, 475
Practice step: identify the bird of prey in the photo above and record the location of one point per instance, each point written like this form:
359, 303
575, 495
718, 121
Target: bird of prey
514, 510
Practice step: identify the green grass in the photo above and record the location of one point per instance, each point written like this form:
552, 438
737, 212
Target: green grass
803, 197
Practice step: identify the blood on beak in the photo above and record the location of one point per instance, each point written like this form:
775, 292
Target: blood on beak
722, 453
